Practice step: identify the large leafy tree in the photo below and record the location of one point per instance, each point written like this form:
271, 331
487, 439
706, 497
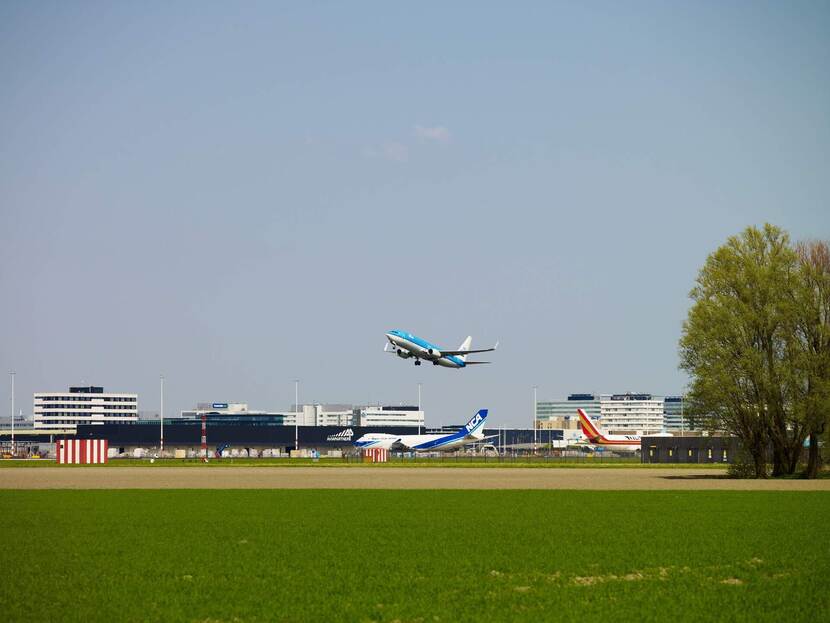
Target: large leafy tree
737, 346
810, 347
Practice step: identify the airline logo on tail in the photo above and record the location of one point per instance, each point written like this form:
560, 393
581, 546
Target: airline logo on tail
476, 422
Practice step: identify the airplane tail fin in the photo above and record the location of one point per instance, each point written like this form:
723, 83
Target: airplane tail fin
589, 428
465, 345
475, 427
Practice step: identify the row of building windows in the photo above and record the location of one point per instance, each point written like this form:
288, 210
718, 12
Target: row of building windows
84, 407
76, 415
86, 398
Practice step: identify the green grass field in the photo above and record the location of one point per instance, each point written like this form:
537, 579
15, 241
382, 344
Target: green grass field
257, 555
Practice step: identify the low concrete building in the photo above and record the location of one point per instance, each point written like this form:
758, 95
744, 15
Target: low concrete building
698, 449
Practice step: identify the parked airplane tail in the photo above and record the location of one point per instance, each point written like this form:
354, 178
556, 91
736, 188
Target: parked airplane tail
589, 428
475, 427
465, 345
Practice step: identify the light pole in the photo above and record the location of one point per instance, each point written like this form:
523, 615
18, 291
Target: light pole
296, 414
419, 408
534, 419
161, 415
11, 374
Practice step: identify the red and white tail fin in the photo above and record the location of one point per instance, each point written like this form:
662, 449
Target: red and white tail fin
589, 428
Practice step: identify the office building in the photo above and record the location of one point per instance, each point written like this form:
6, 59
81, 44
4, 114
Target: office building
631, 413
83, 405
674, 417
391, 416
562, 413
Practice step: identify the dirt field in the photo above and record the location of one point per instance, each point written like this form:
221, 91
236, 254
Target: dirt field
387, 478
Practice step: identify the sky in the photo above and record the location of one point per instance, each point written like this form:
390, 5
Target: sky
239, 195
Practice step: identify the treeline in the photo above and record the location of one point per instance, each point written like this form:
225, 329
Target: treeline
756, 344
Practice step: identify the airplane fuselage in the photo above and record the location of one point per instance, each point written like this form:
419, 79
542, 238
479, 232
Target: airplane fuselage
472, 432
407, 345
622, 443
418, 443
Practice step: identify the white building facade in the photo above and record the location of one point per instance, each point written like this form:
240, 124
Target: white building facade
391, 416
83, 405
631, 413
346, 415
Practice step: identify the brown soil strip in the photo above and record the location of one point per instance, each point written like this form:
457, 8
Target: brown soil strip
385, 478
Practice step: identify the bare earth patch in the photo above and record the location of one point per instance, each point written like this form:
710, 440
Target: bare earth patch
388, 478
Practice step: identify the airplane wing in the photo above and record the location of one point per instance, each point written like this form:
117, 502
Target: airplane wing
469, 352
404, 444
472, 363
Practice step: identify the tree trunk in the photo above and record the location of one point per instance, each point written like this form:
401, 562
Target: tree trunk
794, 458
758, 450
813, 457
777, 461
760, 464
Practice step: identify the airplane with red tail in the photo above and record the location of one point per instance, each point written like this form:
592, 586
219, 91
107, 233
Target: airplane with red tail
620, 443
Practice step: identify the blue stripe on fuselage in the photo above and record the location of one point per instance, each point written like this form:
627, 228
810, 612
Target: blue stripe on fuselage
437, 443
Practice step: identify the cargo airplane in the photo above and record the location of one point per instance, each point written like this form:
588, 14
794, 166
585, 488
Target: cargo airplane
406, 345
471, 432
622, 443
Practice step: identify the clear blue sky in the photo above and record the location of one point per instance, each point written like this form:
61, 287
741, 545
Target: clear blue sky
239, 196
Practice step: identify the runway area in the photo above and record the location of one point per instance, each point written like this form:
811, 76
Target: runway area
245, 477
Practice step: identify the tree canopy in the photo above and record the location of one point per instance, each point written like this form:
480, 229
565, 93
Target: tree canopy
756, 344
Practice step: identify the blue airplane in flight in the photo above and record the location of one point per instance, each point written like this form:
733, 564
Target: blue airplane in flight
406, 345
471, 432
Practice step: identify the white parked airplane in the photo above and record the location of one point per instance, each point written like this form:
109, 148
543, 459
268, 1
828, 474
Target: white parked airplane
471, 432
406, 345
623, 443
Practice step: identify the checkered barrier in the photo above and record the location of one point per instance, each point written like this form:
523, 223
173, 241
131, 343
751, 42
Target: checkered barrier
81, 451
375, 455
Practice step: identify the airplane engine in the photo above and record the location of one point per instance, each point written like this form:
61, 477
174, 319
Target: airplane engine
403, 354
433, 354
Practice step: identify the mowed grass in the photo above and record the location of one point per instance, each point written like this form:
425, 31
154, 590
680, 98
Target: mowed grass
323, 555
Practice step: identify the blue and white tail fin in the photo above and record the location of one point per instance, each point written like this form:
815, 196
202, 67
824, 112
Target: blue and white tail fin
465, 345
475, 427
